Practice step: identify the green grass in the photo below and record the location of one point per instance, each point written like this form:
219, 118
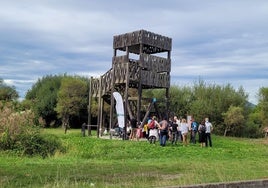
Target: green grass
92, 162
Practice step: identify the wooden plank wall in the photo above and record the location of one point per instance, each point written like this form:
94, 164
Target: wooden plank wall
154, 79
143, 37
155, 63
156, 40
95, 84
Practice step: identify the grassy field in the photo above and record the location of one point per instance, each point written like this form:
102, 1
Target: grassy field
92, 162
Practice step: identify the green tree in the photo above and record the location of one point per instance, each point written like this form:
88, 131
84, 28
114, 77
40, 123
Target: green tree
234, 120
7, 93
43, 97
263, 106
212, 100
202, 105
180, 100
72, 97
253, 124
203, 100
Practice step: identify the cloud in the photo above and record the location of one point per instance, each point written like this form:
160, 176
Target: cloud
222, 42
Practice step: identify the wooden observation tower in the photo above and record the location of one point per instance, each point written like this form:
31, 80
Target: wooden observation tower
141, 60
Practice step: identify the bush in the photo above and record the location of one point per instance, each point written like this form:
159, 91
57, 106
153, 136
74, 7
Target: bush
37, 144
18, 133
252, 130
31, 143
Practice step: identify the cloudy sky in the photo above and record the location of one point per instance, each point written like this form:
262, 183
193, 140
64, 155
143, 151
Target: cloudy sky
220, 42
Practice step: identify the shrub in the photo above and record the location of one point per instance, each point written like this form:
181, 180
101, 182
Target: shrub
252, 130
37, 144
18, 133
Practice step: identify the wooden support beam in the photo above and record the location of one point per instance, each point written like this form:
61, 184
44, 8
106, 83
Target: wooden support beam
147, 113
89, 105
99, 108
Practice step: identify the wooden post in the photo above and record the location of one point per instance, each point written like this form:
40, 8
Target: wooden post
148, 112
139, 89
167, 90
99, 107
126, 94
112, 99
89, 106
101, 117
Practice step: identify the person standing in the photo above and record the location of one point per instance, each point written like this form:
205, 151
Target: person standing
194, 129
209, 129
134, 124
146, 131
202, 133
174, 131
163, 128
128, 130
138, 132
178, 121
184, 131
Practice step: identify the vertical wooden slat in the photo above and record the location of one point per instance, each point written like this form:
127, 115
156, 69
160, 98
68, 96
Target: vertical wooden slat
89, 106
99, 109
139, 90
112, 102
126, 95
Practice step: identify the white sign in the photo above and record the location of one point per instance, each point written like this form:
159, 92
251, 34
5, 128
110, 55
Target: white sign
119, 109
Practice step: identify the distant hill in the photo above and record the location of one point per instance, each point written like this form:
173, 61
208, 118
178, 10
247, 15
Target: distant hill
251, 105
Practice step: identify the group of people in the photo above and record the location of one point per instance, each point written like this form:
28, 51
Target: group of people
176, 130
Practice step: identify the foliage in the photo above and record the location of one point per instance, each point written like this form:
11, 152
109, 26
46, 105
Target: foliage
94, 108
18, 133
263, 105
12, 124
252, 130
48, 98
43, 96
38, 144
72, 97
234, 120
253, 124
7, 93
204, 100
213, 100
92, 162
180, 100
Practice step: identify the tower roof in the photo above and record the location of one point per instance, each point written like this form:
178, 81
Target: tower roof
152, 43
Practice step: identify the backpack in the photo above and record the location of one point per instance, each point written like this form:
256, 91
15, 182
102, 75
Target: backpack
203, 128
194, 126
174, 127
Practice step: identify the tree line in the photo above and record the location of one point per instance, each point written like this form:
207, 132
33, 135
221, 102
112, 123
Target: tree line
58, 100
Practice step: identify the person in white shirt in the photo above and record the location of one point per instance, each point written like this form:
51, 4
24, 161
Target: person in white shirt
178, 121
209, 129
184, 131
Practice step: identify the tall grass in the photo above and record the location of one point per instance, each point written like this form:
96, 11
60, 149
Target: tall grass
92, 162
